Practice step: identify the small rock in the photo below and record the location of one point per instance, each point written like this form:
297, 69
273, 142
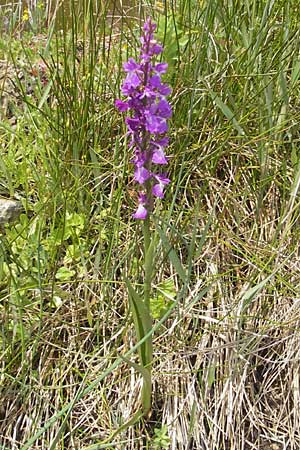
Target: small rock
10, 210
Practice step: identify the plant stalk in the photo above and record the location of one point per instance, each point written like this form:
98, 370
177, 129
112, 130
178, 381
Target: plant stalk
148, 270
148, 254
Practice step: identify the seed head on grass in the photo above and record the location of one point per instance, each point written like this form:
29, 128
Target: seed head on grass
147, 122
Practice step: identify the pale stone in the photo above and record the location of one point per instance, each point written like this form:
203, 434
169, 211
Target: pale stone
9, 210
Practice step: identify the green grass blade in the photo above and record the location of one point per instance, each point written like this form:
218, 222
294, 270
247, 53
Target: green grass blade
228, 113
172, 255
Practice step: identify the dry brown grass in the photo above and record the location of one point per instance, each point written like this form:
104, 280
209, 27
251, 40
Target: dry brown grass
225, 374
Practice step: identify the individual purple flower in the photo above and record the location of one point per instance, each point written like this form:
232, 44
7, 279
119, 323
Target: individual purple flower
158, 189
158, 156
141, 212
130, 84
155, 124
122, 106
141, 175
161, 67
131, 65
147, 123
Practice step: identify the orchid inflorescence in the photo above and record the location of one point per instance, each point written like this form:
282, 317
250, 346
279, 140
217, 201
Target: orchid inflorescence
147, 124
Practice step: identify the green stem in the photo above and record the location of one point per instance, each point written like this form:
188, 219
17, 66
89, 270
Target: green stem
148, 270
147, 263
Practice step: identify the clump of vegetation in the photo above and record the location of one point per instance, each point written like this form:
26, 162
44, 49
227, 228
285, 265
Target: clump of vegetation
225, 298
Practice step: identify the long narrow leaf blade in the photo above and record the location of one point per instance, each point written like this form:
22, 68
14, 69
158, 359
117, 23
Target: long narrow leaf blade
142, 322
228, 113
147, 389
173, 257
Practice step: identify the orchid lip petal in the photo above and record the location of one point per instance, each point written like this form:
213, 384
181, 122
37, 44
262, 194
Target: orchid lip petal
158, 190
141, 174
122, 106
161, 67
158, 156
130, 65
141, 213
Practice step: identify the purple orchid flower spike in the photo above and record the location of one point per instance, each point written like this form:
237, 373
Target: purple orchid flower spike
147, 123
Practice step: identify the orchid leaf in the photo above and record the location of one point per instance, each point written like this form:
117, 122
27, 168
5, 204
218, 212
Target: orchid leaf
142, 322
228, 113
146, 391
173, 257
